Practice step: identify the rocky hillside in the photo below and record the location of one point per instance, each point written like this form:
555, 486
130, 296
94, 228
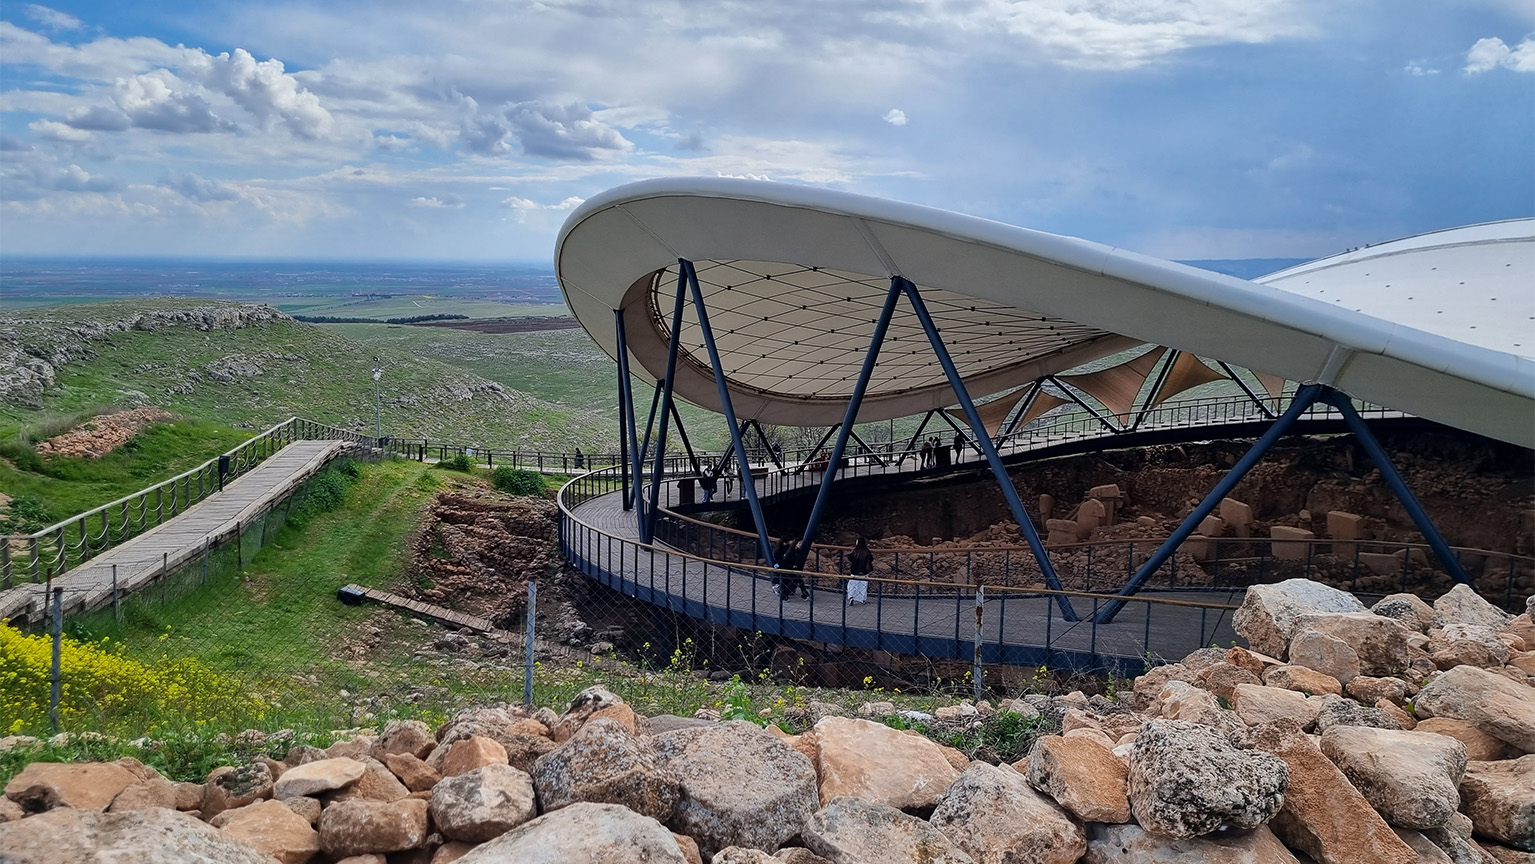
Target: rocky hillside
252, 365
1400, 734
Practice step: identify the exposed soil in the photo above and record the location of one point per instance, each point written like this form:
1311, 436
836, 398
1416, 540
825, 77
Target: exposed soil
102, 434
527, 324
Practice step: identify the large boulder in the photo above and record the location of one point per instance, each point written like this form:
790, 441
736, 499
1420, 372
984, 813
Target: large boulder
1409, 609
1185, 702
855, 831
1267, 616
414, 773
228, 788
87, 785
1380, 643
483, 804
1186, 780
145, 794
1409, 778
1462, 605
1346, 712
1500, 799
274, 828
467, 754
1480, 747
1132, 844
362, 826
582, 833
1323, 814
1083, 777
1491, 702
1453, 839
605, 763
69, 835
868, 760
996, 817
1302, 679
741, 786
313, 778
1329, 655
377, 782
404, 736
586, 704
1466, 645
1255, 704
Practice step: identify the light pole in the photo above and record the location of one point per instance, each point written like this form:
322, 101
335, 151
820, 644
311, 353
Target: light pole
378, 413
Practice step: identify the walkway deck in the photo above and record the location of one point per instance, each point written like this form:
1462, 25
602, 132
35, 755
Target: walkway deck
1017, 627
145, 558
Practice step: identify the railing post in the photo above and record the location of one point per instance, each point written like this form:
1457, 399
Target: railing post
977, 671
55, 678
527, 647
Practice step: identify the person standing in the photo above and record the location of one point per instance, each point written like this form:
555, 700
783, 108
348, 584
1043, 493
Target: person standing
789, 578
927, 452
860, 564
959, 445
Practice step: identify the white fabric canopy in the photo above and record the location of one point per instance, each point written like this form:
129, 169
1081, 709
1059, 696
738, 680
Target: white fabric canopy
793, 278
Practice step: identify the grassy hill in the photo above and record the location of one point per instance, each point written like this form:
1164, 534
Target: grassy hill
249, 366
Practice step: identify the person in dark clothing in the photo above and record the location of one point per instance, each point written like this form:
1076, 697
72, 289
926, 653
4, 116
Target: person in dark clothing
788, 580
959, 445
580, 459
941, 452
860, 563
927, 453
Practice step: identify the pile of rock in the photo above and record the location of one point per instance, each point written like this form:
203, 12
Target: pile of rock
1403, 733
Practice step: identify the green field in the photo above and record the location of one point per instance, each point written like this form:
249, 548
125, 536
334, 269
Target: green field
257, 376
562, 367
410, 305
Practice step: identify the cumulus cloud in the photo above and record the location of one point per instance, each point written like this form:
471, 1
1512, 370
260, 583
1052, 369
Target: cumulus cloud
11, 144
97, 118
570, 203
483, 132
201, 189
563, 131
150, 102
1418, 70
30, 180
52, 19
263, 88
1489, 54
514, 202
437, 202
895, 117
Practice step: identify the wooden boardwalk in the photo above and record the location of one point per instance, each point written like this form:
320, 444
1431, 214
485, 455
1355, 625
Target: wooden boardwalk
603, 540
146, 557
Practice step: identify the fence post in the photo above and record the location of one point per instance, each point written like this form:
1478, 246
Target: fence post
5, 561
976, 672
527, 647
117, 612
55, 679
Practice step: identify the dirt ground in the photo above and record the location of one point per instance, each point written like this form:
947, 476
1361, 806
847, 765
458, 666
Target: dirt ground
103, 434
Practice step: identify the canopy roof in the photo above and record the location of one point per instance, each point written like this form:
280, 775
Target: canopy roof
793, 278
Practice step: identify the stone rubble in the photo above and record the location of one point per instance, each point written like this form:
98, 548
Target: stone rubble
1402, 734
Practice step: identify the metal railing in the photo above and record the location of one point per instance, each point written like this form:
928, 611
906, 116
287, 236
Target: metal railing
903, 615
67, 544
1368, 568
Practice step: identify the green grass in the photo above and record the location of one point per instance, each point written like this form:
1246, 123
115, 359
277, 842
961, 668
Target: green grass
69, 485
303, 370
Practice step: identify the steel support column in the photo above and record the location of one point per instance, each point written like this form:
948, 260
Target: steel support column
648, 523
628, 441
1156, 388
1261, 403
830, 430
845, 429
984, 442
1024, 405
911, 445
1304, 398
1072, 395
748, 483
873, 454
1389, 473
687, 445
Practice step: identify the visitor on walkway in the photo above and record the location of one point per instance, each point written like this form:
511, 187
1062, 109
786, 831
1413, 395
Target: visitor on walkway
711, 485
788, 580
581, 460
860, 564
730, 482
959, 445
927, 453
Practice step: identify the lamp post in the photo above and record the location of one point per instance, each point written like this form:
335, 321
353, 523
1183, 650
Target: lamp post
378, 412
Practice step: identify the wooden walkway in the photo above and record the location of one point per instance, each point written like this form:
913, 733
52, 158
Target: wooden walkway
162, 549
1016, 627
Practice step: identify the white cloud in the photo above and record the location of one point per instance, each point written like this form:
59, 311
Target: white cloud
437, 202
570, 203
52, 19
53, 130
195, 188
564, 131
262, 88
1489, 54
514, 202
157, 101
1418, 70
895, 117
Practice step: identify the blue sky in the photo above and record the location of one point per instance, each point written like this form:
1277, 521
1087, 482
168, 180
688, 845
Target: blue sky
469, 129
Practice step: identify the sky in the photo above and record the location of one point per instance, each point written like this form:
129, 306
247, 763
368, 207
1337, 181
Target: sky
469, 129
